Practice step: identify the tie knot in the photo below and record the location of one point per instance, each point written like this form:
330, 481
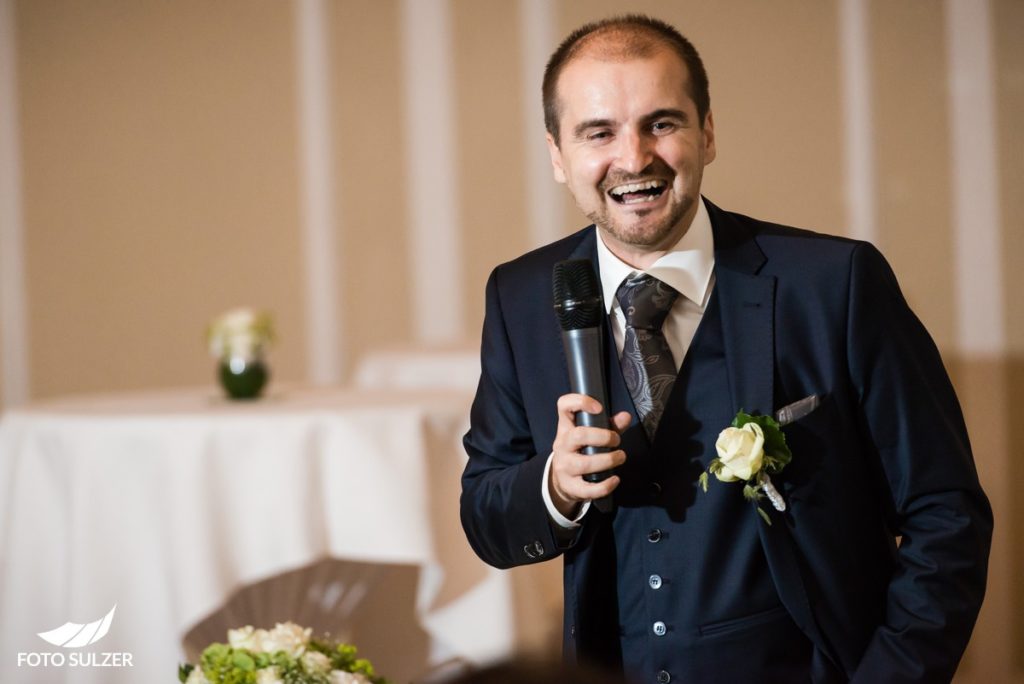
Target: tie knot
645, 301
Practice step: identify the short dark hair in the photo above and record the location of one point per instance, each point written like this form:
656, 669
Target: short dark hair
637, 35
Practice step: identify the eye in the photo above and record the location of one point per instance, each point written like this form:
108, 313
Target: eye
598, 135
661, 127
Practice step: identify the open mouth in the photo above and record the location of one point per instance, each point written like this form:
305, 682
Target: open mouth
636, 193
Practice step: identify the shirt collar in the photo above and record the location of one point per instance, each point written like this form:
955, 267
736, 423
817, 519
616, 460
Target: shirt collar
687, 266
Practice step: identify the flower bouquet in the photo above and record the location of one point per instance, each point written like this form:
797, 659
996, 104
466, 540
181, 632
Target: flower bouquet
238, 340
240, 333
283, 655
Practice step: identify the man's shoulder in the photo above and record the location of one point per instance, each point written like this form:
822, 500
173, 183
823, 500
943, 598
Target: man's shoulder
784, 244
541, 261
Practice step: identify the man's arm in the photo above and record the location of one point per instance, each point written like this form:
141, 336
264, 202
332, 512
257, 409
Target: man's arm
502, 506
934, 500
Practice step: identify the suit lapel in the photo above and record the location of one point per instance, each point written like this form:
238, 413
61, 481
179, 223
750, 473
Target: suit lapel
747, 302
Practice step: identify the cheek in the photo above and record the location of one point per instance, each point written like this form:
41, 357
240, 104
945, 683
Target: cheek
594, 170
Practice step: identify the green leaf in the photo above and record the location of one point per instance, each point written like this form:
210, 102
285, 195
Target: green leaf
184, 670
764, 515
703, 480
243, 661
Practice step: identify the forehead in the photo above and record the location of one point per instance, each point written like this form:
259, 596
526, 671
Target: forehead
593, 86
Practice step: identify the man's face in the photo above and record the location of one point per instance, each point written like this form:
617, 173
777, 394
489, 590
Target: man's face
632, 150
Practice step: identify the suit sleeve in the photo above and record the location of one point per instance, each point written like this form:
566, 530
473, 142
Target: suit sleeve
910, 414
502, 508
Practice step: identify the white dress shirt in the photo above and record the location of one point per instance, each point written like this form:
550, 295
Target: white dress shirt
689, 268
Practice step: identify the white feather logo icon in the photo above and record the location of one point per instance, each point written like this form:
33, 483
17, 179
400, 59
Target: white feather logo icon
74, 635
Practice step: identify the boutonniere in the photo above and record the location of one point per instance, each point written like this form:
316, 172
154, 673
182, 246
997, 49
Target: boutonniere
751, 450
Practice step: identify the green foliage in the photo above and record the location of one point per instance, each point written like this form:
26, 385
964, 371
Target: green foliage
222, 664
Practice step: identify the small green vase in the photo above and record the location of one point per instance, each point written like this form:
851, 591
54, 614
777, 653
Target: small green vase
243, 378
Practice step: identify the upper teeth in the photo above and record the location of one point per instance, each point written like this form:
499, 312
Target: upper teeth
637, 187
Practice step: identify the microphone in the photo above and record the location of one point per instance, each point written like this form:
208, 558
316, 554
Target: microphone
580, 311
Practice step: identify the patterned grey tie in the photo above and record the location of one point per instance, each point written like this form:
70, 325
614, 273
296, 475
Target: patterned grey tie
647, 362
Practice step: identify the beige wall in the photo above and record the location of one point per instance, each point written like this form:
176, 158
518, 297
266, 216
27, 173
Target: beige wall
161, 184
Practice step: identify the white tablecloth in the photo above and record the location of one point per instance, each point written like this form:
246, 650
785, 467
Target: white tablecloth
166, 503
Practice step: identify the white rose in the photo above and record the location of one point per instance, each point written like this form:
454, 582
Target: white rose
243, 637
269, 675
315, 661
240, 332
342, 677
287, 637
237, 320
741, 451
196, 676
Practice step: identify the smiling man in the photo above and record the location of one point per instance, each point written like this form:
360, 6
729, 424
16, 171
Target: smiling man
795, 574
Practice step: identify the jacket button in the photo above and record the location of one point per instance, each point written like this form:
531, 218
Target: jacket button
654, 536
528, 550
655, 490
538, 548
659, 628
654, 581
663, 677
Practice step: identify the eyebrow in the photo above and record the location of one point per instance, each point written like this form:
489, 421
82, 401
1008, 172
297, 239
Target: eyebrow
584, 126
667, 113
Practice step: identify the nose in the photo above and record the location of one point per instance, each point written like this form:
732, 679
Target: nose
635, 152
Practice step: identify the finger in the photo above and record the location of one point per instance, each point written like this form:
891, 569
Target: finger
580, 490
578, 465
578, 437
570, 404
622, 420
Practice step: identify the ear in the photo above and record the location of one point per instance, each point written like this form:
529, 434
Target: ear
709, 139
556, 158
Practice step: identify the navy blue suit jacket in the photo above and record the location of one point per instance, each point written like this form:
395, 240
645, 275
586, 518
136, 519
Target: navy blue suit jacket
885, 456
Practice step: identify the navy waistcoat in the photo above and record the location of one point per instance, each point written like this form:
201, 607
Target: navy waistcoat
694, 598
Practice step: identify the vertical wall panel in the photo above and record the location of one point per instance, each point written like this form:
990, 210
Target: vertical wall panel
14, 379
490, 153
435, 250
912, 152
544, 201
159, 175
370, 149
324, 350
1008, 28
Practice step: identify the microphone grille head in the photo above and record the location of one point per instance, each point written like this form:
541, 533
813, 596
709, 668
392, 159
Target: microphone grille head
577, 294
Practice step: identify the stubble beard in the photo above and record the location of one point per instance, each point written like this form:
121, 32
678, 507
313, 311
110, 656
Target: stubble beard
653, 235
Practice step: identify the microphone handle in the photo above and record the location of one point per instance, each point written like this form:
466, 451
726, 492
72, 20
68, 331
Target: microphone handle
584, 354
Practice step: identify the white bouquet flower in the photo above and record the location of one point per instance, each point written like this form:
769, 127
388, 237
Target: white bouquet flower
285, 654
240, 333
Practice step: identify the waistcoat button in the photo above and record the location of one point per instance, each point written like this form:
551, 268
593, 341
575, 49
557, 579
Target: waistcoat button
663, 677
659, 628
654, 581
654, 536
